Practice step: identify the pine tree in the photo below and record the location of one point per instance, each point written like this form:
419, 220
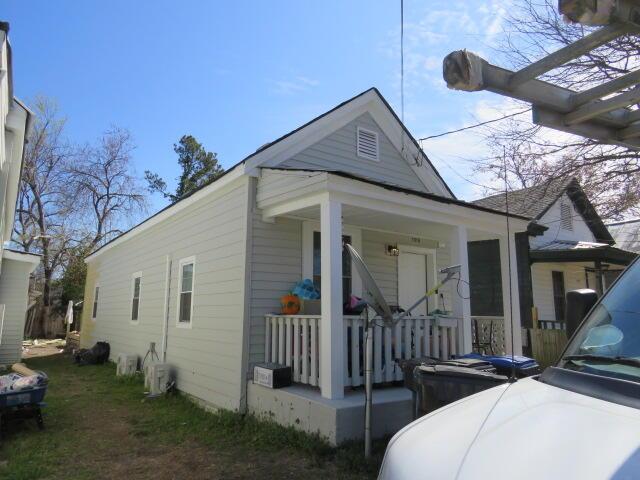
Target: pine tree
198, 167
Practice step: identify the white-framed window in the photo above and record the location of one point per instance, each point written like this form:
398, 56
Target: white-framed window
136, 288
94, 309
186, 281
367, 144
311, 255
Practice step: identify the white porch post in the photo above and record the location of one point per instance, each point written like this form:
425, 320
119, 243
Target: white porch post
511, 303
331, 326
461, 294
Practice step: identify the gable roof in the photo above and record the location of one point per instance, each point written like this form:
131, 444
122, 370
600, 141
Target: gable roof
371, 101
626, 234
535, 201
262, 155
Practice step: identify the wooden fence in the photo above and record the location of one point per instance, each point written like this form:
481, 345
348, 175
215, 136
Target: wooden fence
548, 340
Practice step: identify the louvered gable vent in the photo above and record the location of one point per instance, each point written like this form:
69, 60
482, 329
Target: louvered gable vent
565, 216
367, 144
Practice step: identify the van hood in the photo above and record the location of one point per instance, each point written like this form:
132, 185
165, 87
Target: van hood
527, 430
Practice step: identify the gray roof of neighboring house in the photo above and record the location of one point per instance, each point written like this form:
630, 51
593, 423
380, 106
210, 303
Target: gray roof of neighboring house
626, 234
571, 245
531, 202
576, 251
534, 202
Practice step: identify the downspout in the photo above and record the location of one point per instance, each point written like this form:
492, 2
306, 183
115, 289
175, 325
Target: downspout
167, 304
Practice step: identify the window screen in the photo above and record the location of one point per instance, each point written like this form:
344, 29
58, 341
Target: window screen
186, 292
95, 303
135, 302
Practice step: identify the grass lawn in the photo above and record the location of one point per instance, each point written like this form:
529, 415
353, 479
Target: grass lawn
98, 426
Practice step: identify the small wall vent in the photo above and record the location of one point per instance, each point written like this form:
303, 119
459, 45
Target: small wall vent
367, 144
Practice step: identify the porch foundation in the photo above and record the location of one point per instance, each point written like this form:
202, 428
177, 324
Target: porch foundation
337, 420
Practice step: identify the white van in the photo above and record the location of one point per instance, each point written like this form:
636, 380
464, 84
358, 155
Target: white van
579, 419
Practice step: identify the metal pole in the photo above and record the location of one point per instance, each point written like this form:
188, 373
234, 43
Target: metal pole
368, 384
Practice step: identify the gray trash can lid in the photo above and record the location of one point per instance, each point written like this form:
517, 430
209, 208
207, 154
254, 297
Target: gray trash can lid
452, 371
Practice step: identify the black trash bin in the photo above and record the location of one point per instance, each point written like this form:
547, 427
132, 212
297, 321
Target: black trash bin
408, 367
439, 385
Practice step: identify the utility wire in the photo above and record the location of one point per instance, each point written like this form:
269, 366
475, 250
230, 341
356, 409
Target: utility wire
475, 125
402, 60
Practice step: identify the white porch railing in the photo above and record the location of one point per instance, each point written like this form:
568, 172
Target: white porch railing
294, 340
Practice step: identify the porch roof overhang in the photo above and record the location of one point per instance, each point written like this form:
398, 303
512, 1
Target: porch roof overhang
283, 192
581, 252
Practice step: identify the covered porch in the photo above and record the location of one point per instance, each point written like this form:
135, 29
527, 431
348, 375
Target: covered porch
405, 237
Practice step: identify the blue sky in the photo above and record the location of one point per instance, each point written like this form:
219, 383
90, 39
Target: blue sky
239, 74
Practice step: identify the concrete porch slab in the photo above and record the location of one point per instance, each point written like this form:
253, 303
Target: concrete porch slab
338, 421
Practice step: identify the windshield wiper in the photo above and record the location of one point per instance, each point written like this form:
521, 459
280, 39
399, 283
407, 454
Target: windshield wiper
634, 362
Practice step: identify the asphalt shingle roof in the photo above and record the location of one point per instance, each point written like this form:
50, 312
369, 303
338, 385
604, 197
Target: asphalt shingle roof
530, 202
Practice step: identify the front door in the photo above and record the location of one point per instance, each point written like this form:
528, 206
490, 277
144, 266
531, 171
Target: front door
412, 280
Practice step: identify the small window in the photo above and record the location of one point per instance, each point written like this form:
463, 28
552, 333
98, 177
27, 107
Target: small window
566, 220
94, 312
185, 299
135, 296
367, 144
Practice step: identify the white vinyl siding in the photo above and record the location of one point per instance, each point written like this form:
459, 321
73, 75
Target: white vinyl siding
558, 224
14, 287
206, 358
542, 280
339, 151
276, 266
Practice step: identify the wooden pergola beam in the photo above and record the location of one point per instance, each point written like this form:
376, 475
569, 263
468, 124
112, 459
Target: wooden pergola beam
570, 52
598, 107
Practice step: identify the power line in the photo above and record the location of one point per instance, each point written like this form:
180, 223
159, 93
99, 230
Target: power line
402, 59
476, 125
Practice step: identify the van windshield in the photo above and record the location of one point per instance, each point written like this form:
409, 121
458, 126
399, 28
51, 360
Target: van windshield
608, 343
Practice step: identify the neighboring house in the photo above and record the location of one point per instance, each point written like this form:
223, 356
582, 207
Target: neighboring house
575, 251
626, 234
203, 278
15, 267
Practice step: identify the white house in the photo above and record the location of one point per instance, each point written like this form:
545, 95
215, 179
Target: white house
575, 251
202, 279
15, 267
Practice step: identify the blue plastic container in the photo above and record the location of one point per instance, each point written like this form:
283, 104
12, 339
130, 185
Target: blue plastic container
32, 396
524, 366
